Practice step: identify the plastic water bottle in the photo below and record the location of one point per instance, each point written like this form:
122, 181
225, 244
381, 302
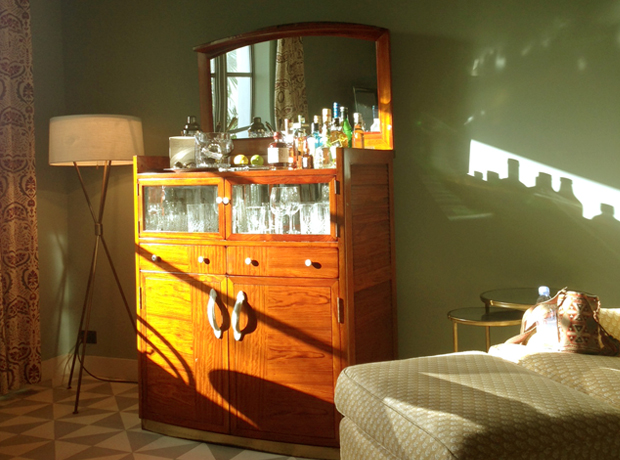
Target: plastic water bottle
543, 294
548, 323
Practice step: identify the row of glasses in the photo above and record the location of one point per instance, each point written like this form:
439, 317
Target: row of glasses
284, 200
315, 218
257, 209
202, 217
181, 209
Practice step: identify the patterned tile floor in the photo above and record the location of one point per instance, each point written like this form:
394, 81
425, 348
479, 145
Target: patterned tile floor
38, 423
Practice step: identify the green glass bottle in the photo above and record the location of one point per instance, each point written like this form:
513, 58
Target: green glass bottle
346, 125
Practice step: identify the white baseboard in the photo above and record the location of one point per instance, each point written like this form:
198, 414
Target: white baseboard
57, 369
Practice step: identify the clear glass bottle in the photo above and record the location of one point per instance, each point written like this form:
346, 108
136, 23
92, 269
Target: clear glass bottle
376, 123
307, 159
358, 131
315, 147
547, 326
326, 126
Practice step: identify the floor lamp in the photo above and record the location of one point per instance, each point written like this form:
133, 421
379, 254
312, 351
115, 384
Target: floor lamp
94, 140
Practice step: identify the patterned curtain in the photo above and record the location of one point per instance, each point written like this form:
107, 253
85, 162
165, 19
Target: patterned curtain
20, 340
290, 90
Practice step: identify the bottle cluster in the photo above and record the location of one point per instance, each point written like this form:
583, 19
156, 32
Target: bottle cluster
312, 146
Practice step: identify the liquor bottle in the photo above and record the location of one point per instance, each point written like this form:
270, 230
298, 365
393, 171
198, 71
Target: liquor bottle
358, 131
305, 156
337, 137
327, 125
300, 144
376, 123
278, 151
346, 125
323, 151
335, 110
191, 127
315, 147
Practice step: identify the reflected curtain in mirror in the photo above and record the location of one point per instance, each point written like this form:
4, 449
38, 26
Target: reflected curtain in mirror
290, 85
20, 340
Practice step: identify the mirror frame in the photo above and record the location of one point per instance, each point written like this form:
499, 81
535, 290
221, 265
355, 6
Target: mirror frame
381, 140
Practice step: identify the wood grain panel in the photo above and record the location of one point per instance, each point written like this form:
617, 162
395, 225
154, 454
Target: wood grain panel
369, 247
283, 261
180, 258
283, 369
178, 351
374, 324
367, 174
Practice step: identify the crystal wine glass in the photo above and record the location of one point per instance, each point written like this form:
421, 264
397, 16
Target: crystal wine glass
279, 206
294, 203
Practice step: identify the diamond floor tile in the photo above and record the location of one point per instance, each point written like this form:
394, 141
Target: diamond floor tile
38, 423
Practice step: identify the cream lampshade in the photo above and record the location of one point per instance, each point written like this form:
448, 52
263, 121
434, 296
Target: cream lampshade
94, 140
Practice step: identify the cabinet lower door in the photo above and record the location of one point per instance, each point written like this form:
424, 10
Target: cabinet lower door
180, 356
284, 362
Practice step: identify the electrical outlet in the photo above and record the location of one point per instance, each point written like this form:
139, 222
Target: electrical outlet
91, 336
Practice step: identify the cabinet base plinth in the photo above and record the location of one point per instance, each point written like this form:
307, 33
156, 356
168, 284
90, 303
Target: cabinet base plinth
294, 450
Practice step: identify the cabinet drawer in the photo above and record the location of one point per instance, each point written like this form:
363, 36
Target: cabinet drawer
283, 262
183, 258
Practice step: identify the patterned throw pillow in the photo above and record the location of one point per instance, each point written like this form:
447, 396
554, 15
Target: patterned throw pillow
579, 329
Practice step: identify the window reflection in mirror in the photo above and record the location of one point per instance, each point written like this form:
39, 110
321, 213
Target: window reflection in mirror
243, 80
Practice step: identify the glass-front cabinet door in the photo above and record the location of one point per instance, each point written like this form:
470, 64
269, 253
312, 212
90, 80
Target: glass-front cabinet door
296, 209
169, 207
268, 207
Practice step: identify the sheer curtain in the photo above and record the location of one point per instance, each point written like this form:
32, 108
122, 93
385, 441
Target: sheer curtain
20, 340
290, 88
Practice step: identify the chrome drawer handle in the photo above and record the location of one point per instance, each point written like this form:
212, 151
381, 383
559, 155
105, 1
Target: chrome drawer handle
236, 316
203, 260
308, 263
211, 314
218, 200
155, 258
248, 261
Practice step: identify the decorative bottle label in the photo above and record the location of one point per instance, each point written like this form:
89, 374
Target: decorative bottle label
277, 155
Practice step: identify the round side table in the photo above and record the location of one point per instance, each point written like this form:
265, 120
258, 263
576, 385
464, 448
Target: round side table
483, 316
515, 298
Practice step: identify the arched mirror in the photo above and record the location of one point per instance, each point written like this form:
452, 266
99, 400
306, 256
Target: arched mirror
347, 63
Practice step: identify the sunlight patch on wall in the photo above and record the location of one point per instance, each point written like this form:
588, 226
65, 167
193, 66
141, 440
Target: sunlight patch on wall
484, 158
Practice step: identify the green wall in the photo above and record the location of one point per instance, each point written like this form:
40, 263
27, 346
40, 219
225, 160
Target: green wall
536, 79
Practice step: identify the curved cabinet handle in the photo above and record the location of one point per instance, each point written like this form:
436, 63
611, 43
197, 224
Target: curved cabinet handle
211, 314
236, 315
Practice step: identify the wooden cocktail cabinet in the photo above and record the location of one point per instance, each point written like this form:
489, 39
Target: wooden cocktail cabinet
252, 299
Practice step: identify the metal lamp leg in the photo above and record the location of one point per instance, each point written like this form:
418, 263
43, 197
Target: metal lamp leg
87, 306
